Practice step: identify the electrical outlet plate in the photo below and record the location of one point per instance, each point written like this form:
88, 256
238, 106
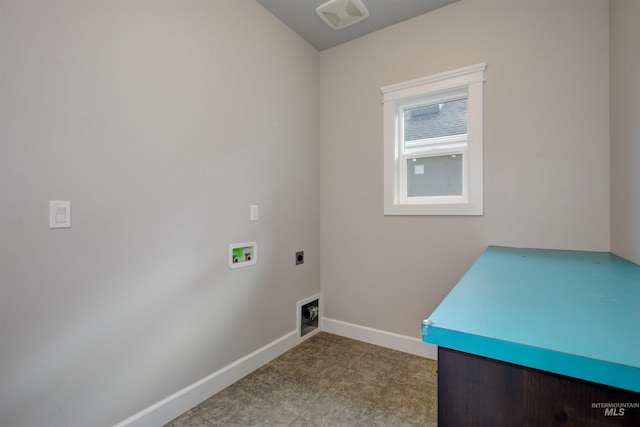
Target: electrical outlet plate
243, 254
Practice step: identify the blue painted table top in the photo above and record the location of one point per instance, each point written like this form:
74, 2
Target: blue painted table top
569, 312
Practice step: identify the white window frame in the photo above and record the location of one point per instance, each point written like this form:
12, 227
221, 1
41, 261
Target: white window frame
464, 82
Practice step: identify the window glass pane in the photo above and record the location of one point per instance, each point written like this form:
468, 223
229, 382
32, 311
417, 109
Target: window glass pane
436, 120
434, 176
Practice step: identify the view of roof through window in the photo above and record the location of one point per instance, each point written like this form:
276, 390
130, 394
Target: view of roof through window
436, 120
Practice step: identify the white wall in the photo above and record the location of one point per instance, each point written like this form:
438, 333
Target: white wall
546, 164
161, 122
625, 129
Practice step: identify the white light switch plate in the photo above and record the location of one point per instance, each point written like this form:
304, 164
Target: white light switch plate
255, 213
59, 214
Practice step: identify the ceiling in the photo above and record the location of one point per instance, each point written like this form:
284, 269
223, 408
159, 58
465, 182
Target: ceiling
301, 17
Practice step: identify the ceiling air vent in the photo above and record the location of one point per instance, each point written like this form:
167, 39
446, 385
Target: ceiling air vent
339, 14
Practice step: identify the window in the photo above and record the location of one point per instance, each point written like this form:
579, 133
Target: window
433, 144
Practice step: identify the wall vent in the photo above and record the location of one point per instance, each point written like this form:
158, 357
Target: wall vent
339, 14
308, 317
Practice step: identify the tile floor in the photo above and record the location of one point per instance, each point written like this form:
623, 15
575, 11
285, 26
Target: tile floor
327, 380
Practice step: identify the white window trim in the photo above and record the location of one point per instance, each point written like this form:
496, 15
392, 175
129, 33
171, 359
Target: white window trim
436, 87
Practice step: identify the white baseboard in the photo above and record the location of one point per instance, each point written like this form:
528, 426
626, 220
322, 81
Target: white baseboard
180, 402
382, 338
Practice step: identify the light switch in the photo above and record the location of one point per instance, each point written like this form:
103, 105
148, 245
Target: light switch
255, 216
59, 214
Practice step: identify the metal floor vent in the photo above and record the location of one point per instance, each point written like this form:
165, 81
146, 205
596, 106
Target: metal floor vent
339, 14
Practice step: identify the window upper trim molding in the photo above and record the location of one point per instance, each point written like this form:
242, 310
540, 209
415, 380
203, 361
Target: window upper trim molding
443, 81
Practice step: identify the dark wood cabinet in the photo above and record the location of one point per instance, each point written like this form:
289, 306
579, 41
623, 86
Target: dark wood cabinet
483, 392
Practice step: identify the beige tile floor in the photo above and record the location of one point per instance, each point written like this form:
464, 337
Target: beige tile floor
327, 380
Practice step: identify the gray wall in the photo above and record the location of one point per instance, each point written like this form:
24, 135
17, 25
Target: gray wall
546, 146
625, 129
161, 122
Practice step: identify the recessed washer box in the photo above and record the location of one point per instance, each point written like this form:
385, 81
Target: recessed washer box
243, 254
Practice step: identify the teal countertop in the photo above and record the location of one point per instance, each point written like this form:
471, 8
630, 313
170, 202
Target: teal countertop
569, 312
